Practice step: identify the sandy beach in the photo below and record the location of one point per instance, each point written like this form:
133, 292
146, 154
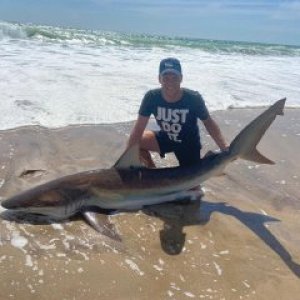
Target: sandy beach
243, 242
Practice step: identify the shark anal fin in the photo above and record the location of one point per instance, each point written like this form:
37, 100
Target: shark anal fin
101, 224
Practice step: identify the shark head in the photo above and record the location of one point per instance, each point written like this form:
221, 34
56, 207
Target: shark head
48, 203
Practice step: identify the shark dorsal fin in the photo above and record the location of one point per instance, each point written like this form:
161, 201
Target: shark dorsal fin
130, 158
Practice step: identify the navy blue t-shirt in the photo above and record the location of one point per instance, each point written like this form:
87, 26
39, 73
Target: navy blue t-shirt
179, 119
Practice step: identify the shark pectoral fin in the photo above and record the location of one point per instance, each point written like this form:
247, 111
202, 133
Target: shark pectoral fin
130, 159
101, 224
257, 157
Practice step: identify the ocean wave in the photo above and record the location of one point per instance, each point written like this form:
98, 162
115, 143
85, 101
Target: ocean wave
96, 38
12, 31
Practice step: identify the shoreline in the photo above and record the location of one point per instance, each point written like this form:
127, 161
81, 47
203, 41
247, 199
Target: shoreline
129, 123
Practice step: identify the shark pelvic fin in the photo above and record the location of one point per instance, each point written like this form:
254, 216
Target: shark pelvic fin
256, 156
101, 224
130, 159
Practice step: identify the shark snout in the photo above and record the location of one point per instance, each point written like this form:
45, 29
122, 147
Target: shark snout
19, 202
11, 204
7, 204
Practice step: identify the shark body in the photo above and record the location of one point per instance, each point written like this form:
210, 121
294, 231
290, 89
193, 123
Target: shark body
129, 185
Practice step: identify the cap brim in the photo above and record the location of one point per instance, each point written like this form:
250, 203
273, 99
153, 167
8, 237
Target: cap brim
173, 71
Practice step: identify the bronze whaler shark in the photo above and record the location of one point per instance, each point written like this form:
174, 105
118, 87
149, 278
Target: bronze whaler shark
129, 185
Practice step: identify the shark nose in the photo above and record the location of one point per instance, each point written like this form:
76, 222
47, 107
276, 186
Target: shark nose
9, 204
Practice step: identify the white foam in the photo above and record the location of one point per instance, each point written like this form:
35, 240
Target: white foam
174, 286
203, 246
61, 254
134, 267
19, 241
246, 284
28, 261
57, 226
2, 181
218, 268
49, 246
106, 84
189, 294
157, 268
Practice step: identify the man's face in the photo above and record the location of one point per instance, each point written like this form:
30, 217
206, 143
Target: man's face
170, 82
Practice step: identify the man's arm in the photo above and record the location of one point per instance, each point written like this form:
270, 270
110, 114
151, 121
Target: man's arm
137, 130
214, 131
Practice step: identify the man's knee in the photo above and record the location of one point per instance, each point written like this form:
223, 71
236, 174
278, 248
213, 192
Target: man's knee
149, 141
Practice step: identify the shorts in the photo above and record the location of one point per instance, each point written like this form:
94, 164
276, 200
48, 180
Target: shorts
186, 153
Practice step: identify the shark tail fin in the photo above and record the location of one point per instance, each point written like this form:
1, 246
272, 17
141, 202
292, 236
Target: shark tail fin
244, 145
256, 156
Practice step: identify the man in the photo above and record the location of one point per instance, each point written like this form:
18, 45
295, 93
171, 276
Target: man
176, 111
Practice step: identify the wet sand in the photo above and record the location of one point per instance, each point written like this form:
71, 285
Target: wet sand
243, 243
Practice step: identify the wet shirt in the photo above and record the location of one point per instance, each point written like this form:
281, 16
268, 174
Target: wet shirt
179, 119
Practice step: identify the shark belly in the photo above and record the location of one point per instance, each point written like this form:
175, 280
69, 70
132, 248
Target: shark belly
137, 202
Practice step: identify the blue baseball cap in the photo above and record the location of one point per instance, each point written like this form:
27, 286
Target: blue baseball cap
170, 65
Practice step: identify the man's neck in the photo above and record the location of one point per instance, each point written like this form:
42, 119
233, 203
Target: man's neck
172, 97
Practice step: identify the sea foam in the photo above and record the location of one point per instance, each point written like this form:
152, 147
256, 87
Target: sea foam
55, 76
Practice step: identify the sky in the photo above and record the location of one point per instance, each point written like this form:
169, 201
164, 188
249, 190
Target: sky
255, 21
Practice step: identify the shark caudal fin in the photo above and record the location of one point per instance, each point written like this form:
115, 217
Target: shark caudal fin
244, 145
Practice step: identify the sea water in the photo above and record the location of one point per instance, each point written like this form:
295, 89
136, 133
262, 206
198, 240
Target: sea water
58, 76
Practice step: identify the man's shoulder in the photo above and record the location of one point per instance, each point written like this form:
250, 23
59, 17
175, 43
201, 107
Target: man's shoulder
192, 94
154, 93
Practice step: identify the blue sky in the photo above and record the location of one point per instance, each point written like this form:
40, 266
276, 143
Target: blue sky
262, 21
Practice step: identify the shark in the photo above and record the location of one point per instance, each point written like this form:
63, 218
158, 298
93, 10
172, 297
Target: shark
129, 185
